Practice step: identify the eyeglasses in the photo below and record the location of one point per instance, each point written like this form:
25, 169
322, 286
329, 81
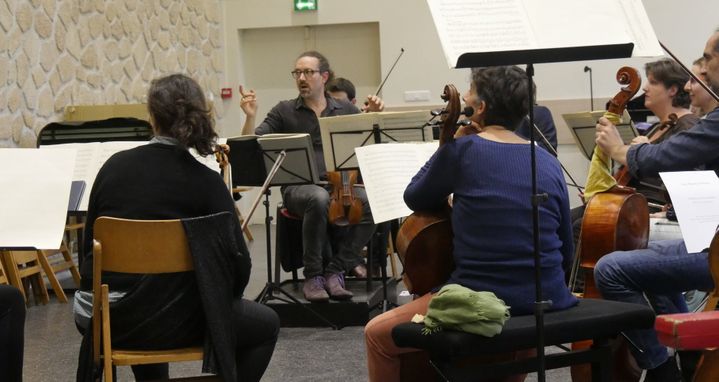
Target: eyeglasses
307, 72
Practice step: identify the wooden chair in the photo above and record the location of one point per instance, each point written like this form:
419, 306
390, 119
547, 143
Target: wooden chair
3, 275
24, 270
123, 245
697, 331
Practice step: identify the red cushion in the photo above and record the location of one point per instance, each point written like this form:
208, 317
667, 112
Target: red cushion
688, 330
289, 215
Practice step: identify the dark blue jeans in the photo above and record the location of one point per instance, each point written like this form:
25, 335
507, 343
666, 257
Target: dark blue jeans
311, 202
656, 275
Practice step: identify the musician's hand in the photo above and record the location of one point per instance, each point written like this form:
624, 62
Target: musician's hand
248, 102
373, 103
608, 139
639, 140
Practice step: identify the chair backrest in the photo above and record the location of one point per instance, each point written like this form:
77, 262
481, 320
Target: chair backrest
141, 246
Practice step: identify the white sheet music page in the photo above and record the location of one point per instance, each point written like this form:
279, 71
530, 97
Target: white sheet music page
475, 26
695, 197
90, 158
35, 192
387, 169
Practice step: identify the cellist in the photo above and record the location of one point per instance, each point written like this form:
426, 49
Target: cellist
489, 175
664, 268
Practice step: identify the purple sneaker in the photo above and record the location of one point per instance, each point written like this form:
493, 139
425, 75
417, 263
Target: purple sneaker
335, 286
314, 289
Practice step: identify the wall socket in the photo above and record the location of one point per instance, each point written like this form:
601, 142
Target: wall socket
416, 96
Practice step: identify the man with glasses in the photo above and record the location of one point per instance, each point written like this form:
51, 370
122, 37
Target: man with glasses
311, 202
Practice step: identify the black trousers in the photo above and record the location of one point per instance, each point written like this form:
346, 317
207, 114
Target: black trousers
12, 329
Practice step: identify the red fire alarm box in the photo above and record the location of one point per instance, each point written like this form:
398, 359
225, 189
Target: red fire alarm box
226, 93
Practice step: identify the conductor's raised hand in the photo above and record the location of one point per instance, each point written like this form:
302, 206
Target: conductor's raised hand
248, 102
373, 103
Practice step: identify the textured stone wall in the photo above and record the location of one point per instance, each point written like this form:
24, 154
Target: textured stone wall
55, 53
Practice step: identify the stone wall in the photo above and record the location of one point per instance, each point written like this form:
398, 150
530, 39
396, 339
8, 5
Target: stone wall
55, 53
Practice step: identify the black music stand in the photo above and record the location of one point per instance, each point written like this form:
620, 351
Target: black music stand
255, 158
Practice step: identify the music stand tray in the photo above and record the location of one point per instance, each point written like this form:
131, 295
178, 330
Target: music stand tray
341, 134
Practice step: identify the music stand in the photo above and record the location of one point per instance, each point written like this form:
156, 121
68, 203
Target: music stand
534, 43
255, 155
342, 134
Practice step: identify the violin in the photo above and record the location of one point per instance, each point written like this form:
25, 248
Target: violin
622, 175
424, 241
616, 219
221, 156
345, 208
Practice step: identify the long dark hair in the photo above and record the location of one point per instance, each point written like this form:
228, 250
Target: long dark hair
178, 109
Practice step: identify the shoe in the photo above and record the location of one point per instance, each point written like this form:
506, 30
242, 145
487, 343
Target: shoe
314, 289
666, 372
360, 271
335, 286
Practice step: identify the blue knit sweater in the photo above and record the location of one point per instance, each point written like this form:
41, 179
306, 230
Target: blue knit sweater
492, 218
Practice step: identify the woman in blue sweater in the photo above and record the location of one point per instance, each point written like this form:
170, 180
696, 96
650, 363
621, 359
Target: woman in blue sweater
489, 176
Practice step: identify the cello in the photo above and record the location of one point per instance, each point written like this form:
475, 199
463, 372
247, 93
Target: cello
424, 241
616, 219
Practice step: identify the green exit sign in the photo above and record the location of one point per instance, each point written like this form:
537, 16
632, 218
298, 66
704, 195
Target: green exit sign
305, 5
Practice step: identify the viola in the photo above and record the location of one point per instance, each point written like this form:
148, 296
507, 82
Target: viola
221, 156
424, 241
345, 208
617, 219
622, 175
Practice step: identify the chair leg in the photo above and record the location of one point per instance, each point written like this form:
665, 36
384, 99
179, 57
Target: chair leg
246, 231
392, 259
602, 368
65, 250
12, 273
50, 273
106, 338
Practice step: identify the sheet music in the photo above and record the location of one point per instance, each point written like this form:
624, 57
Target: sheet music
471, 26
387, 169
36, 190
90, 158
695, 197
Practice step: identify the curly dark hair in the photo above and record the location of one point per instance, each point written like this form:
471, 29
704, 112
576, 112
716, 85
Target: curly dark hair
669, 73
324, 64
504, 91
178, 109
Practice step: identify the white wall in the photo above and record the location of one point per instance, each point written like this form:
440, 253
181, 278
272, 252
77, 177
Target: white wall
682, 26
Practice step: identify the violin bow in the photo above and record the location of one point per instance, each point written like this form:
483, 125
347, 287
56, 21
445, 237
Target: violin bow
379, 89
